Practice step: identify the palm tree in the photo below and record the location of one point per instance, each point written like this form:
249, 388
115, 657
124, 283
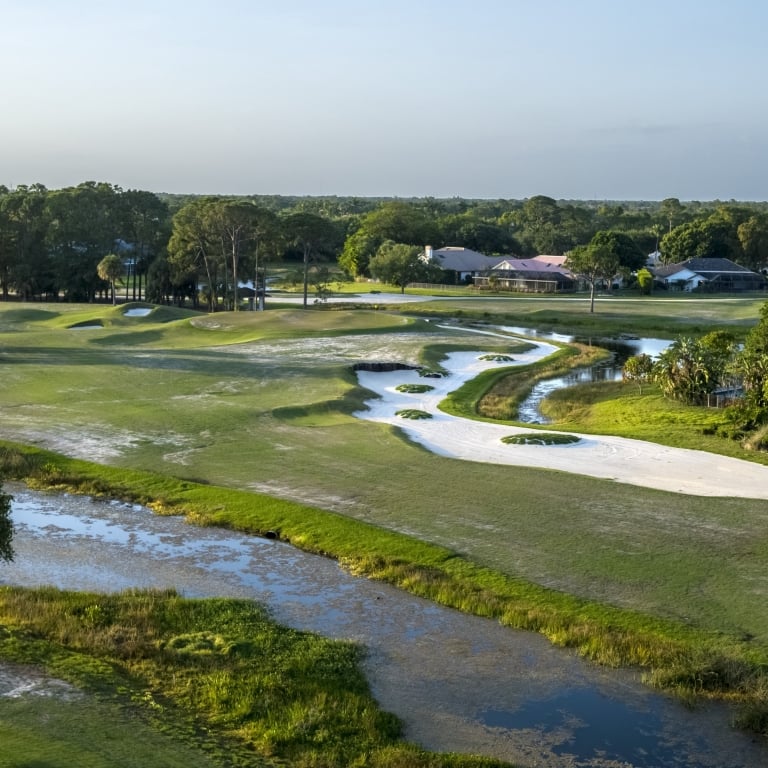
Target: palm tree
110, 268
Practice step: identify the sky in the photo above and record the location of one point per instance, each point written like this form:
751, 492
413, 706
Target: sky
574, 99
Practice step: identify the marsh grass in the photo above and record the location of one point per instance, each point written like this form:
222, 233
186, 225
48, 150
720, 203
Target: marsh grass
216, 678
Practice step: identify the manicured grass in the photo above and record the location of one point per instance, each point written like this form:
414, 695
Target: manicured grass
618, 408
661, 315
89, 732
267, 407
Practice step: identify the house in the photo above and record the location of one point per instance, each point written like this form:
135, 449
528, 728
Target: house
708, 274
534, 275
465, 262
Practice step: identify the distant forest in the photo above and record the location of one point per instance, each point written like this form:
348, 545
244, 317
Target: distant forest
197, 249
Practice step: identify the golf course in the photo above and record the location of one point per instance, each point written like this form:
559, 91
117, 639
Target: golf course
255, 421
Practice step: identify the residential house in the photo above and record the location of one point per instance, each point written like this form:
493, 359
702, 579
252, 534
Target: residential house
464, 262
536, 275
708, 274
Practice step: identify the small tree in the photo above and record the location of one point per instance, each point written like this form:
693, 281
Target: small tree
593, 263
110, 268
313, 234
399, 264
638, 368
645, 281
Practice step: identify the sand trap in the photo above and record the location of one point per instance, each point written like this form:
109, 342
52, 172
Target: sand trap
616, 458
137, 312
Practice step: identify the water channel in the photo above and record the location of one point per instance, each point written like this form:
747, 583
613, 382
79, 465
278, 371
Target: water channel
459, 683
621, 350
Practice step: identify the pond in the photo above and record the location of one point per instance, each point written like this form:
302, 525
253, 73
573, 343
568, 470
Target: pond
459, 683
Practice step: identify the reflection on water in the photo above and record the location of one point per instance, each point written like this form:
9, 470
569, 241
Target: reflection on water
459, 683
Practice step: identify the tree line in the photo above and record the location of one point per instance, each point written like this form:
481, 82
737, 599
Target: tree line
200, 250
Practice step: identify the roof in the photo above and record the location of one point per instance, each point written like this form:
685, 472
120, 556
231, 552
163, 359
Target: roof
701, 266
530, 265
462, 259
551, 259
718, 266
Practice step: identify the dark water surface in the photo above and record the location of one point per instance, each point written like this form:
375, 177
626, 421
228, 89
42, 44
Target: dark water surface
459, 683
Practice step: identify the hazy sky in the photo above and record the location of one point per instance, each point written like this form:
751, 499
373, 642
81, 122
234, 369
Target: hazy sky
601, 99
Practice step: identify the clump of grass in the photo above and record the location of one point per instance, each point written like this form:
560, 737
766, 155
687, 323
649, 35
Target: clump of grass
413, 413
414, 389
431, 373
540, 438
492, 358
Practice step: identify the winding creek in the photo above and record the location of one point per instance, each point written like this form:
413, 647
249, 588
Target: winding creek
609, 370
459, 683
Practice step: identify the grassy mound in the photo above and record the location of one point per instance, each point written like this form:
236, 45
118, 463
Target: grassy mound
540, 438
414, 389
413, 413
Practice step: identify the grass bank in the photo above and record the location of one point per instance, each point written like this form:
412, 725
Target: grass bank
685, 659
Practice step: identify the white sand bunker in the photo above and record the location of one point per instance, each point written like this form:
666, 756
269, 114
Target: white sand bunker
628, 461
137, 312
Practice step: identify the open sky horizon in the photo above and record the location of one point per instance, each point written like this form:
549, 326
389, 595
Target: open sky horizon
508, 99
